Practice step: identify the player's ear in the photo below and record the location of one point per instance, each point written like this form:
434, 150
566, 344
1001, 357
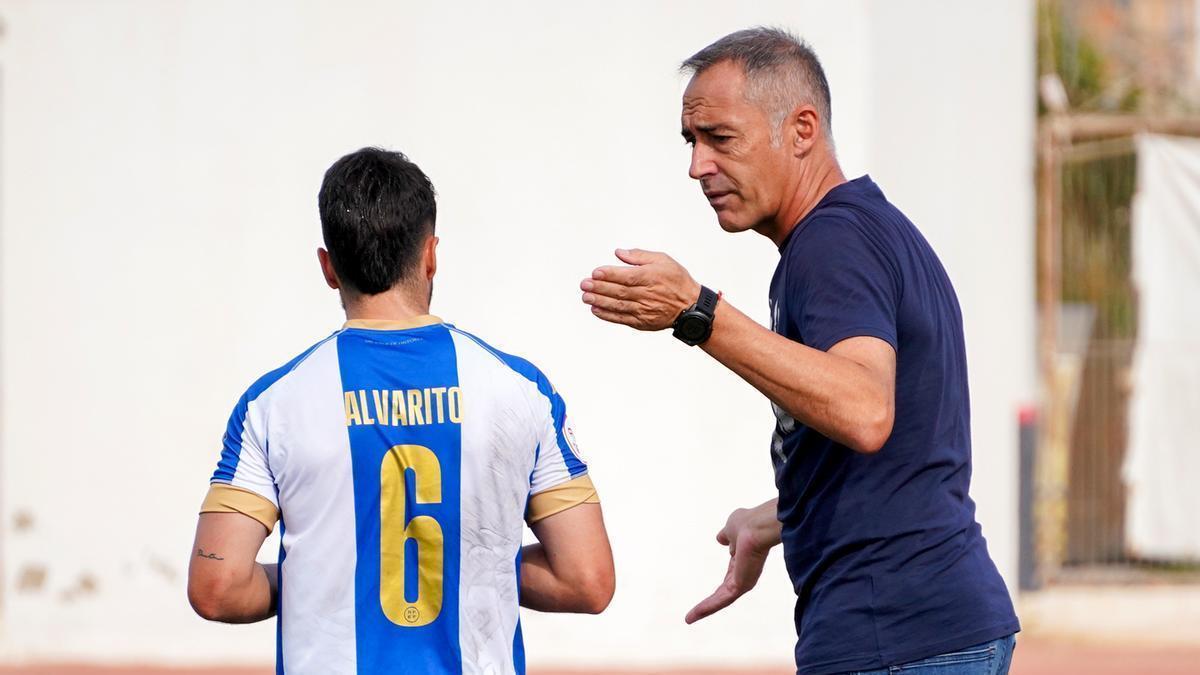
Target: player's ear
327, 269
430, 256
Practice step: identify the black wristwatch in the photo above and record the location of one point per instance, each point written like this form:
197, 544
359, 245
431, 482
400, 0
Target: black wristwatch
694, 325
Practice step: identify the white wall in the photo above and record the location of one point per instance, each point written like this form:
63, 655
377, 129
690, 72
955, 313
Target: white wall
160, 163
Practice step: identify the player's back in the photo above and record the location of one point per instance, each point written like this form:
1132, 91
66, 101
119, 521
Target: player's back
402, 459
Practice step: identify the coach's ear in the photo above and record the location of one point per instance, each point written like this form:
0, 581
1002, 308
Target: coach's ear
804, 126
429, 257
327, 269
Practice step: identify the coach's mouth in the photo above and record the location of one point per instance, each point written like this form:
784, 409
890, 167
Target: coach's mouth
717, 199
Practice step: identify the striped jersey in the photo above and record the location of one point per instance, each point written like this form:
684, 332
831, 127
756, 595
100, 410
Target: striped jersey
402, 461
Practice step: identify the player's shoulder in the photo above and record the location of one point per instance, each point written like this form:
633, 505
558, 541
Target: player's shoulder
500, 360
273, 379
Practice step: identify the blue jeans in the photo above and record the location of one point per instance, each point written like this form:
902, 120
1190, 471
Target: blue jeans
989, 658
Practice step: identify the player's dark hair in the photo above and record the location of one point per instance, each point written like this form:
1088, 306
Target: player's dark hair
376, 210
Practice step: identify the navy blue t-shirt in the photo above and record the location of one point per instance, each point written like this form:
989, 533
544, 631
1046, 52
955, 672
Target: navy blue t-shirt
886, 558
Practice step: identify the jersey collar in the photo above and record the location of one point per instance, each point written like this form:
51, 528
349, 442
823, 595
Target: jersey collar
388, 324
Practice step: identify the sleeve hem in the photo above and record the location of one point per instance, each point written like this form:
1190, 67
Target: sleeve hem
860, 331
225, 498
560, 498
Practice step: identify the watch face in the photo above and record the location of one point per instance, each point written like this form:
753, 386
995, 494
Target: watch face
693, 328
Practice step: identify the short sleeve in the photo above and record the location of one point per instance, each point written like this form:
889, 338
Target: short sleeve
559, 480
841, 284
243, 482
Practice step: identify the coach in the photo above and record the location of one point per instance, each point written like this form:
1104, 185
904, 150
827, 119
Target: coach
865, 367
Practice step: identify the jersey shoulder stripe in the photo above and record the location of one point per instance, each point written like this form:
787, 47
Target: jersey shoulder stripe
232, 451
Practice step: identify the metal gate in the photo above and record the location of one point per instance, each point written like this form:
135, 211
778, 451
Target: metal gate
1088, 333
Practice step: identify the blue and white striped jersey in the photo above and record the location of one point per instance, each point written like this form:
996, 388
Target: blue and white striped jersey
402, 461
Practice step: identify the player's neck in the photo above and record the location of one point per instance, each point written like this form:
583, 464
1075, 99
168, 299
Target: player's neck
397, 304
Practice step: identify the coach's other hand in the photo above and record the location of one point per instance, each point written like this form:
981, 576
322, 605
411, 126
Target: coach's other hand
649, 295
750, 535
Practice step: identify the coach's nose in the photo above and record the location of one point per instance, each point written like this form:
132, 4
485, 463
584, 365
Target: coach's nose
703, 164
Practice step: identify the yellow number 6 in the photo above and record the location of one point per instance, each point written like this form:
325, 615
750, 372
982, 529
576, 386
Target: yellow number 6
424, 529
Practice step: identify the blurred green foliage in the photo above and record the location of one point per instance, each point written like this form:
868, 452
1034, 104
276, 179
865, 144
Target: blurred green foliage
1096, 249
1096, 195
1083, 67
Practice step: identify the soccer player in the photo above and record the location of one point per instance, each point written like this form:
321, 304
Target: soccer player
402, 457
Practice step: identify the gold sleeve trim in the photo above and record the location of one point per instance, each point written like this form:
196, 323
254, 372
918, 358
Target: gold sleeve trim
222, 498
560, 498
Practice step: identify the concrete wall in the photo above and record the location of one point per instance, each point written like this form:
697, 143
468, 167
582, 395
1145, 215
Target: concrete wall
160, 163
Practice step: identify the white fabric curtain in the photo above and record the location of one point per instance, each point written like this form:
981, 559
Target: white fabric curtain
1162, 467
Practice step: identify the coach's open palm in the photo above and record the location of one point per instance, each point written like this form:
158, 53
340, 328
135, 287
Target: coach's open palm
649, 295
750, 535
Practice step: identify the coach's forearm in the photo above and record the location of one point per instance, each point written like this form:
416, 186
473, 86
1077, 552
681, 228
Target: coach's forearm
834, 395
546, 590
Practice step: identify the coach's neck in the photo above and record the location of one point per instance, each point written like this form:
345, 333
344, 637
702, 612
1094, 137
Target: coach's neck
814, 176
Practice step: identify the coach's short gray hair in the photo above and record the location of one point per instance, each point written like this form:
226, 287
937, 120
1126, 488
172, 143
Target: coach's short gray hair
782, 72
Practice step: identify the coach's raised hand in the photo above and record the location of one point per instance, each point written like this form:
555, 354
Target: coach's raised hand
649, 294
750, 535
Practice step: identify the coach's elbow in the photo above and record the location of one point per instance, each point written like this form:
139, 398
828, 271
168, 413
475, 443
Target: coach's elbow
875, 430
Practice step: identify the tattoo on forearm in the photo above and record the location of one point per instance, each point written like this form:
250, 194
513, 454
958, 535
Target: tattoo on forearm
210, 556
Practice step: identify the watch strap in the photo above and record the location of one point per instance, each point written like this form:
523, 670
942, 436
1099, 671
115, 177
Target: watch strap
707, 302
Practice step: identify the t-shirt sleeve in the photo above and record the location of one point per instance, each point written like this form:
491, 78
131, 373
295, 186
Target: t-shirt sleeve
243, 482
841, 285
560, 475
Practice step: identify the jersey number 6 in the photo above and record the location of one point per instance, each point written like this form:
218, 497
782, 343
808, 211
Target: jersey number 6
424, 530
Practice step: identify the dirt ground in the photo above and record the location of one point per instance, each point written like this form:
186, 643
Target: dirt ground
1033, 657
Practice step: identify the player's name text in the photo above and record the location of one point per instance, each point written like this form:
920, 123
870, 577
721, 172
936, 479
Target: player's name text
404, 407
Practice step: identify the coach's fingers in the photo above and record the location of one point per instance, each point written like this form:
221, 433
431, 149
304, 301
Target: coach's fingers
721, 598
637, 256
714, 603
629, 276
612, 290
612, 304
616, 317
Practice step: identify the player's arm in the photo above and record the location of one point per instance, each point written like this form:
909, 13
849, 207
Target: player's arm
225, 583
240, 510
570, 569
846, 393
